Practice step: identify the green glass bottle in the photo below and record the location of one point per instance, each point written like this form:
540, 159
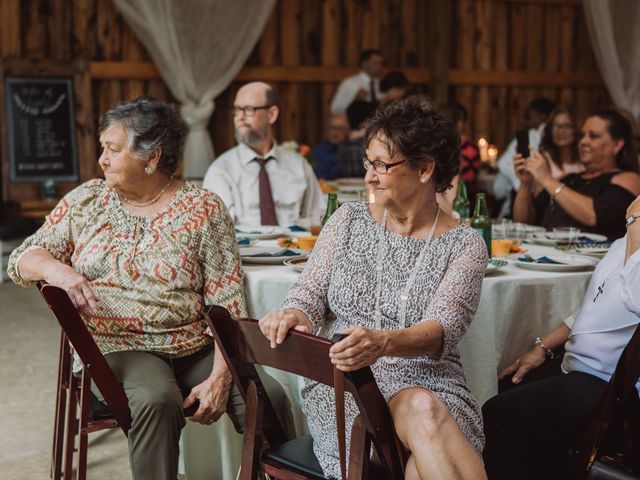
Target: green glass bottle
461, 204
481, 221
332, 206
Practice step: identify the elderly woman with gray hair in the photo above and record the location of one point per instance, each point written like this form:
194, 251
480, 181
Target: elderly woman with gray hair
140, 253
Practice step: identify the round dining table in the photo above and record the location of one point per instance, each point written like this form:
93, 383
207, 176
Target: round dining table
516, 306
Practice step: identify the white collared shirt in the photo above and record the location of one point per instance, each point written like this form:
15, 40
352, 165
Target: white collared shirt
234, 177
349, 88
608, 317
507, 179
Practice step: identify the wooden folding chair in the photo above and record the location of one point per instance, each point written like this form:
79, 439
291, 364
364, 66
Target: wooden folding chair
74, 393
78, 411
264, 448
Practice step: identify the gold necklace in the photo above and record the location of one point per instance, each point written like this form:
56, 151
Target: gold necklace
150, 202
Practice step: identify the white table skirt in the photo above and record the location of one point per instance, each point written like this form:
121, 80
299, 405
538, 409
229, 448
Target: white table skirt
516, 306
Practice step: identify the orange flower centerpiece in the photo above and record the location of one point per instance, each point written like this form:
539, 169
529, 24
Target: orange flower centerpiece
300, 148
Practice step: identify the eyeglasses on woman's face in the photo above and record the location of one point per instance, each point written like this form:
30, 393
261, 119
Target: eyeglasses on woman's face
379, 166
248, 111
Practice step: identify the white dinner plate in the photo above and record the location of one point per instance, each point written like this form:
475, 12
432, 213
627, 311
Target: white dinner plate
246, 254
528, 229
569, 263
495, 264
552, 238
260, 232
298, 264
598, 252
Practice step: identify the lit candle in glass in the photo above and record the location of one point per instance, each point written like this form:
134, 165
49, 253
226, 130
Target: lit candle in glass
483, 146
492, 154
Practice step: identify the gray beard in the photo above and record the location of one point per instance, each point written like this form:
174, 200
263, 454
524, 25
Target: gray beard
251, 137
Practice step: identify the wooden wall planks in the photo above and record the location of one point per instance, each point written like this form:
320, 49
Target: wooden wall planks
503, 53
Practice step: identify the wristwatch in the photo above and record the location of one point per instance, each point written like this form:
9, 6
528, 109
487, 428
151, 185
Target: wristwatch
631, 219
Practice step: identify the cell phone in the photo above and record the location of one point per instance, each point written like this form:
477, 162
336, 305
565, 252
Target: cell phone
522, 143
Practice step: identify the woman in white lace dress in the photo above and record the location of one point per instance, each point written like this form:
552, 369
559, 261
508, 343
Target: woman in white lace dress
403, 279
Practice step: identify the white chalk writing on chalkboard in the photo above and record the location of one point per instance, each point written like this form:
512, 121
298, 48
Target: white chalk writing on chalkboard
41, 128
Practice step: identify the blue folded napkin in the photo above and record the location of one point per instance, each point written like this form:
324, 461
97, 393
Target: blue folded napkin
296, 228
243, 241
585, 242
581, 240
280, 253
543, 259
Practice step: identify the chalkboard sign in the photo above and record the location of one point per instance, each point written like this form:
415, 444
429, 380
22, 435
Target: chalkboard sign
41, 129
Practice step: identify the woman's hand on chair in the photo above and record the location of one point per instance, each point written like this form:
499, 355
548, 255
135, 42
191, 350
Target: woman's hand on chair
212, 394
523, 365
361, 348
275, 325
76, 286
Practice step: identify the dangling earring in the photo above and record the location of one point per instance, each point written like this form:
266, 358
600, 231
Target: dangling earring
149, 170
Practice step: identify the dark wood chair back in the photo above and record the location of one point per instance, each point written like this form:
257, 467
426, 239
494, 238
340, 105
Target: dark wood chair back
75, 415
92, 358
243, 345
611, 444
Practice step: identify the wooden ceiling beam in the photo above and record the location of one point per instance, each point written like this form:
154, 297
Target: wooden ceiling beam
147, 71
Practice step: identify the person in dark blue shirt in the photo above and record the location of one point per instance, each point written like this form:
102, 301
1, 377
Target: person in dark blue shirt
325, 153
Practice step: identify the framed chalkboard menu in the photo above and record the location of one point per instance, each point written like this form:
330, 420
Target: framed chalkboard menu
41, 133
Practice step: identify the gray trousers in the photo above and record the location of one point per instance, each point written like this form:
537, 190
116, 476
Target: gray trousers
155, 387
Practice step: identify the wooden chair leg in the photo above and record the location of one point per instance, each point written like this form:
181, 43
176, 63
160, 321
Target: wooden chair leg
252, 434
85, 412
72, 428
64, 373
359, 453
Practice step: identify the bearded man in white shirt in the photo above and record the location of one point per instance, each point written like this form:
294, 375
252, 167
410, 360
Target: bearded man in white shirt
260, 182
365, 85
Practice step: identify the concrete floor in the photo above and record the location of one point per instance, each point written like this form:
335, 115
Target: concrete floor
29, 338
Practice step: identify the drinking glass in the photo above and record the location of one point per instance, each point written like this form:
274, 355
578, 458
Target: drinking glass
500, 228
517, 232
500, 237
315, 222
566, 235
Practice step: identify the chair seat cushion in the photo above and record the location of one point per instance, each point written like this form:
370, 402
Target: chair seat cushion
298, 454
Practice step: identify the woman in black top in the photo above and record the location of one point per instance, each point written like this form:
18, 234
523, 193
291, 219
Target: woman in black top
595, 200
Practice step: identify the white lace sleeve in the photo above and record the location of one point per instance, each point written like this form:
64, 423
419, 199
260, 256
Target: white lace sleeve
309, 293
456, 299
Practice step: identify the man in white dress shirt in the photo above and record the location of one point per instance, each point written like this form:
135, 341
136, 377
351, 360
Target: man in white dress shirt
365, 85
260, 182
507, 181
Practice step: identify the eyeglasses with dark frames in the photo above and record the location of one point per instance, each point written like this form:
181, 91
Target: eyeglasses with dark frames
248, 111
379, 166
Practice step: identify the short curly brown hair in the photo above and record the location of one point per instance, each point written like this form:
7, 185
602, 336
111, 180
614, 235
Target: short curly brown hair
150, 123
419, 132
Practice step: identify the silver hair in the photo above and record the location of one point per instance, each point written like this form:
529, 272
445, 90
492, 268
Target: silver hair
150, 124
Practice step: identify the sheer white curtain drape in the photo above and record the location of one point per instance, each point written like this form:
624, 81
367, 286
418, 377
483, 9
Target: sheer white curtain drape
198, 46
615, 36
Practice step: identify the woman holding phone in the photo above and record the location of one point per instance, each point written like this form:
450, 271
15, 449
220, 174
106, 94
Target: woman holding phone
594, 200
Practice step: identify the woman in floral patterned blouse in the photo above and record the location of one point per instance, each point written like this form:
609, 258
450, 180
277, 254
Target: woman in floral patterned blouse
140, 254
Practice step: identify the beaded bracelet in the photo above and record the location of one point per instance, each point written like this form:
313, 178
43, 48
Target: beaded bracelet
547, 351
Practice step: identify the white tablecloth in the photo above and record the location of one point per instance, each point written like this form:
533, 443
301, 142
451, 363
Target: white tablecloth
516, 306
